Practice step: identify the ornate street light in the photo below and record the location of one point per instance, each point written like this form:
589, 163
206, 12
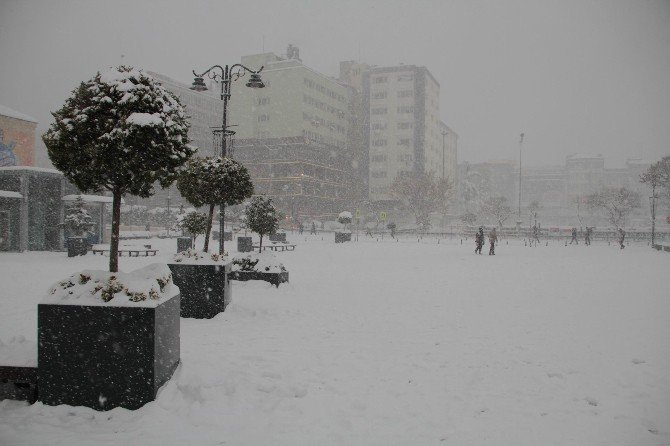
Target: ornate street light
226, 76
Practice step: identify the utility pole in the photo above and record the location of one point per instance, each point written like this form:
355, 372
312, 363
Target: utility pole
520, 147
444, 134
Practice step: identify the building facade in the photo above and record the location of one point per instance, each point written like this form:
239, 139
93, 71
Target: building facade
402, 104
17, 138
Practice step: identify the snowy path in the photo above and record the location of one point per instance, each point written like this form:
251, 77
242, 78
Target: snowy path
395, 344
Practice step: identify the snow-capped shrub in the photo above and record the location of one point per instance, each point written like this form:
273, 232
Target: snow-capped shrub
262, 217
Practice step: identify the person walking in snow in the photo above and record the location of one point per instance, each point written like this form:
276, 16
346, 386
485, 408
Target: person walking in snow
493, 239
622, 236
479, 240
301, 228
536, 233
574, 236
313, 230
587, 236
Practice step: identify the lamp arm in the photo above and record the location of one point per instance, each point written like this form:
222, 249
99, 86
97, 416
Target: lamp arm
223, 70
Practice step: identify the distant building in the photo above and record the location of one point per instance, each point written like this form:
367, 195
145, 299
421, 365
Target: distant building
402, 104
295, 136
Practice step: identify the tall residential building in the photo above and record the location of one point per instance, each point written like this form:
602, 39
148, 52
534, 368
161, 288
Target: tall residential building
294, 136
405, 132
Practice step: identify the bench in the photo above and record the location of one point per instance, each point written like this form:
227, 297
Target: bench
130, 251
277, 247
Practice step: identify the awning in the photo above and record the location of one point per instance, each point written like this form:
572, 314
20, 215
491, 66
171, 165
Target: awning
90, 198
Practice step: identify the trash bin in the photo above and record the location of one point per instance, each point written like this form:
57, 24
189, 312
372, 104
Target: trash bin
76, 246
184, 243
244, 244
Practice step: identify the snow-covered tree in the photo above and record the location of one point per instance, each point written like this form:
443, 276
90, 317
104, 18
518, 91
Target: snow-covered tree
615, 203
214, 180
345, 218
658, 178
194, 223
497, 208
78, 222
119, 131
262, 217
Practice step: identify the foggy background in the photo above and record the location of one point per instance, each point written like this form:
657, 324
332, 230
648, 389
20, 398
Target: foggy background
576, 76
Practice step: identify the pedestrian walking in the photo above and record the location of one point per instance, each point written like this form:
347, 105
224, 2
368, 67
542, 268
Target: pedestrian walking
536, 232
622, 237
493, 239
313, 230
479, 240
587, 236
301, 228
574, 237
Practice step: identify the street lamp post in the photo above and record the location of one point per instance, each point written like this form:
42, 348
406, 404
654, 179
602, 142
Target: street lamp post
444, 134
520, 147
652, 203
227, 75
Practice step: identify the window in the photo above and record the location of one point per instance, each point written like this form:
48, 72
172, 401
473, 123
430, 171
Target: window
378, 142
263, 118
378, 111
405, 125
263, 101
403, 142
378, 126
406, 93
406, 77
379, 94
378, 158
405, 158
406, 109
379, 79
378, 174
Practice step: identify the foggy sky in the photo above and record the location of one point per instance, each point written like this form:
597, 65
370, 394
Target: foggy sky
574, 76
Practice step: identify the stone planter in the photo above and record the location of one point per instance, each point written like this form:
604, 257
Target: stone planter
341, 237
278, 237
103, 356
227, 236
273, 278
184, 243
205, 289
76, 246
244, 244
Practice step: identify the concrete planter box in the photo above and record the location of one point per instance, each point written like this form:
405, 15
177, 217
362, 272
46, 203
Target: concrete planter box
278, 237
18, 383
184, 243
341, 237
273, 278
104, 357
205, 289
244, 244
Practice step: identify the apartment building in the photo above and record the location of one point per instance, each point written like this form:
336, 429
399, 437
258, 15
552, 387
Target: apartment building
405, 131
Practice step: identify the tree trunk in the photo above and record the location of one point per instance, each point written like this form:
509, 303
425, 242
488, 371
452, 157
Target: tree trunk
114, 242
260, 245
209, 227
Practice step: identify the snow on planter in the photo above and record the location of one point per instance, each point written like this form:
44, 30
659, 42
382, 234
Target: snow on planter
108, 340
263, 266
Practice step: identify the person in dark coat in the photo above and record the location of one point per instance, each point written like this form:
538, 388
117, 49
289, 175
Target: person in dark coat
313, 230
301, 228
574, 236
587, 236
622, 237
479, 240
493, 239
536, 233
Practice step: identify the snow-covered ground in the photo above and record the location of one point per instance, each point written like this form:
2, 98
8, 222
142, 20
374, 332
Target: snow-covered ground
391, 343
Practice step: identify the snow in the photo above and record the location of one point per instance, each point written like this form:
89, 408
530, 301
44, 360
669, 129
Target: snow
384, 342
145, 119
10, 194
345, 214
86, 288
6, 111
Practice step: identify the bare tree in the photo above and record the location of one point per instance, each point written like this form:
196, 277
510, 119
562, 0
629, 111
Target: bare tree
657, 177
420, 194
497, 208
616, 204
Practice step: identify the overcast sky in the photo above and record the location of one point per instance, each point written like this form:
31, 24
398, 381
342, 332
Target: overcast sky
575, 76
